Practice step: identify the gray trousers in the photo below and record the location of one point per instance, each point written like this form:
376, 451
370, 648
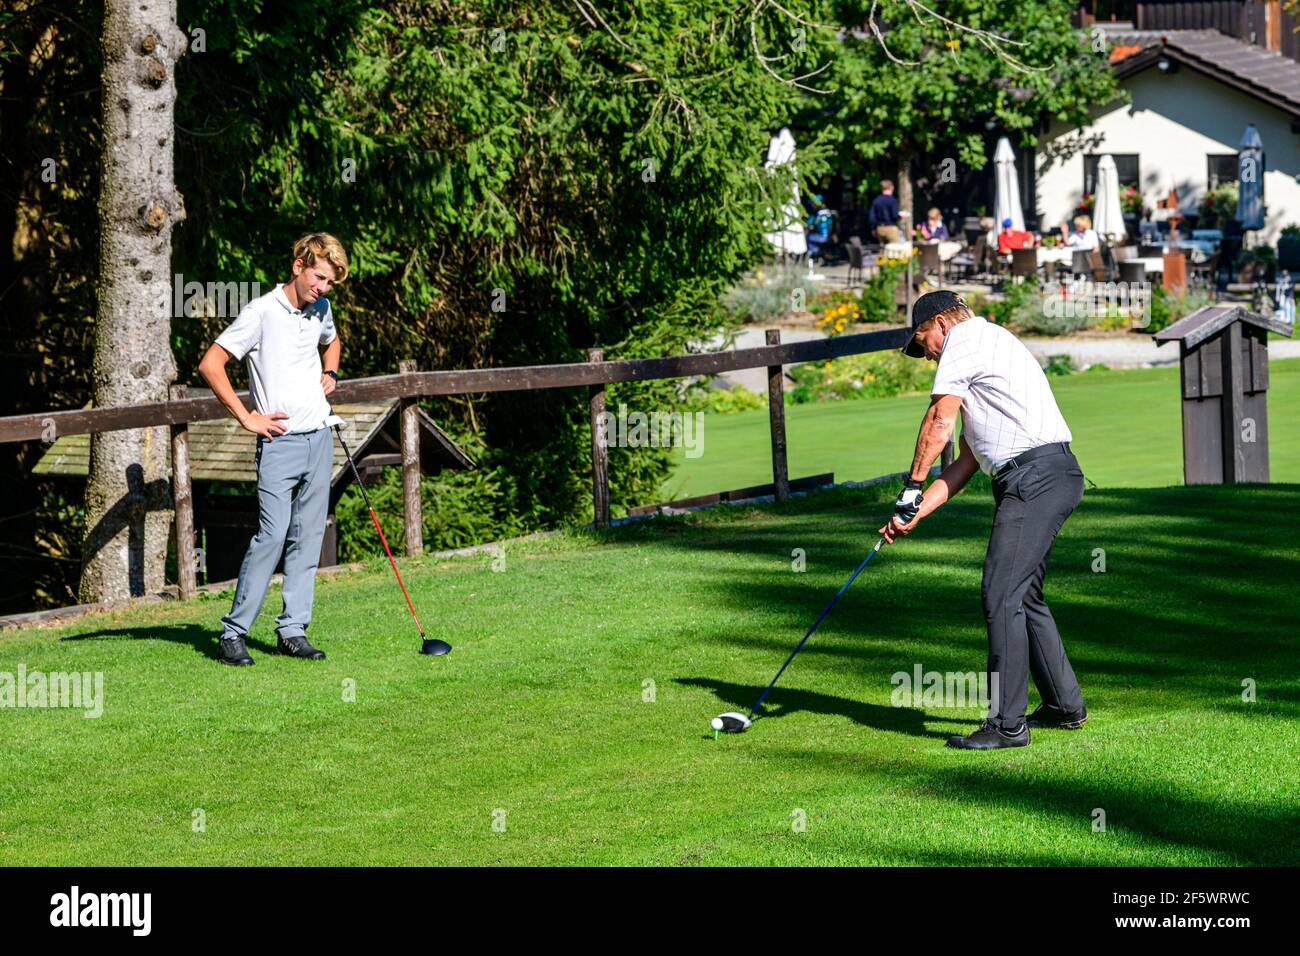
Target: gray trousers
1033, 502
293, 493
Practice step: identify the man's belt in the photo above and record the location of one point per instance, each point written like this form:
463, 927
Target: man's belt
1025, 457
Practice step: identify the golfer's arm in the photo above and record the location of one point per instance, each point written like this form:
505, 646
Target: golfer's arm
329, 355
951, 481
936, 432
213, 369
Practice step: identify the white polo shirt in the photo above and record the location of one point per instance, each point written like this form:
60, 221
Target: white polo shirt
1006, 404
282, 348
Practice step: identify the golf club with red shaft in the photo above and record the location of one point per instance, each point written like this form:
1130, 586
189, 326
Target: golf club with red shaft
431, 645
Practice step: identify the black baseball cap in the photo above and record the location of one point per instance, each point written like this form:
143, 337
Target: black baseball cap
927, 307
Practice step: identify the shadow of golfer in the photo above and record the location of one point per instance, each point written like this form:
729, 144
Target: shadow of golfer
202, 639
782, 701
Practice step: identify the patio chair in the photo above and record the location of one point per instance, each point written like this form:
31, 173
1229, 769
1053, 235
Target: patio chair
1132, 272
855, 261
931, 264
1024, 263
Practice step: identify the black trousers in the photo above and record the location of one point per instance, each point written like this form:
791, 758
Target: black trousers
1033, 501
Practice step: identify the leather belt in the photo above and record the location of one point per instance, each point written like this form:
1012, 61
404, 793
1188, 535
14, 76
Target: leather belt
1025, 457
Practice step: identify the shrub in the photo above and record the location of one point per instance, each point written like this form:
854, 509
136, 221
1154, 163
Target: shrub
767, 294
1059, 365
879, 292
870, 375
1167, 309
724, 401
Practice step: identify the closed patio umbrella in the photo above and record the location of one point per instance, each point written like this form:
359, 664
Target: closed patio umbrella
1109, 217
788, 235
1006, 203
1250, 180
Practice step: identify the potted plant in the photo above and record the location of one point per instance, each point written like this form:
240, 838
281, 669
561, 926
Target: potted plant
1219, 206
1288, 248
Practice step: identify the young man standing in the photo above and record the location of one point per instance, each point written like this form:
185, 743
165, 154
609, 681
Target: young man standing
287, 338
883, 216
1012, 429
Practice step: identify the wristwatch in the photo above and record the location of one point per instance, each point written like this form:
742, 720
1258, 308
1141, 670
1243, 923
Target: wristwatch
332, 374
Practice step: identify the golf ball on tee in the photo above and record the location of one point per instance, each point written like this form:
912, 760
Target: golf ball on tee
716, 723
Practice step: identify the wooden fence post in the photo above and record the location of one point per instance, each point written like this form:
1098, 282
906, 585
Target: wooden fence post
411, 506
182, 494
599, 449
776, 417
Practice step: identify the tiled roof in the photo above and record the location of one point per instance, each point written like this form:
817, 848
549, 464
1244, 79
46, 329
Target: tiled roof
1253, 69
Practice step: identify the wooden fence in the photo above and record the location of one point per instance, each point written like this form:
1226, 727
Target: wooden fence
408, 385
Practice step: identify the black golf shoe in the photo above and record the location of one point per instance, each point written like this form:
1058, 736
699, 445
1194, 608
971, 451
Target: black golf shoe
990, 737
298, 647
1053, 719
232, 651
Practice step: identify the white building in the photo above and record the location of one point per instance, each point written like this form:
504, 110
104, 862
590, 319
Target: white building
1193, 92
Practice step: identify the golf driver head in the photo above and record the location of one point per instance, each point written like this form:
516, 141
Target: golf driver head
435, 647
731, 723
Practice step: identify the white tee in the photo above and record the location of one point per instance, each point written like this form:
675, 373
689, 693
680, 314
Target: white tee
282, 346
1006, 404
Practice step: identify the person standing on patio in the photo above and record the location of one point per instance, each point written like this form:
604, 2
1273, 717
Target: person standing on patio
882, 218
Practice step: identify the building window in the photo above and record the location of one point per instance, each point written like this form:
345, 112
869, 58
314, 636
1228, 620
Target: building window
1220, 168
1126, 165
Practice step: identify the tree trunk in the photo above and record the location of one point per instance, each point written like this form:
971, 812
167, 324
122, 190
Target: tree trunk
127, 496
906, 203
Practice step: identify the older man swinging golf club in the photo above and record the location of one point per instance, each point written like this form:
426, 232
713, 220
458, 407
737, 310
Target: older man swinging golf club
1012, 430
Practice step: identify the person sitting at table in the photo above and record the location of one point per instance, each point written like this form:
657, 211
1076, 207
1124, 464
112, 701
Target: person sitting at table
1084, 238
933, 229
1011, 238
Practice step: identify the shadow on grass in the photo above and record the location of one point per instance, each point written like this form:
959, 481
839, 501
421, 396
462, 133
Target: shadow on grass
202, 639
1180, 603
1247, 833
782, 701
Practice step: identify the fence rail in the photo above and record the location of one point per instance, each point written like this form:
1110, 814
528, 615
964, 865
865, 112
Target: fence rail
409, 385
86, 421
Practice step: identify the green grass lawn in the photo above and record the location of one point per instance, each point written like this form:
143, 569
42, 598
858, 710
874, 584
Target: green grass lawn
539, 718
1127, 429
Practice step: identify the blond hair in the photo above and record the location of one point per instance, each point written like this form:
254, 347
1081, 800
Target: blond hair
321, 245
1083, 223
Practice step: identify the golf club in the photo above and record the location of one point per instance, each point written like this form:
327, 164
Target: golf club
430, 646
734, 722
